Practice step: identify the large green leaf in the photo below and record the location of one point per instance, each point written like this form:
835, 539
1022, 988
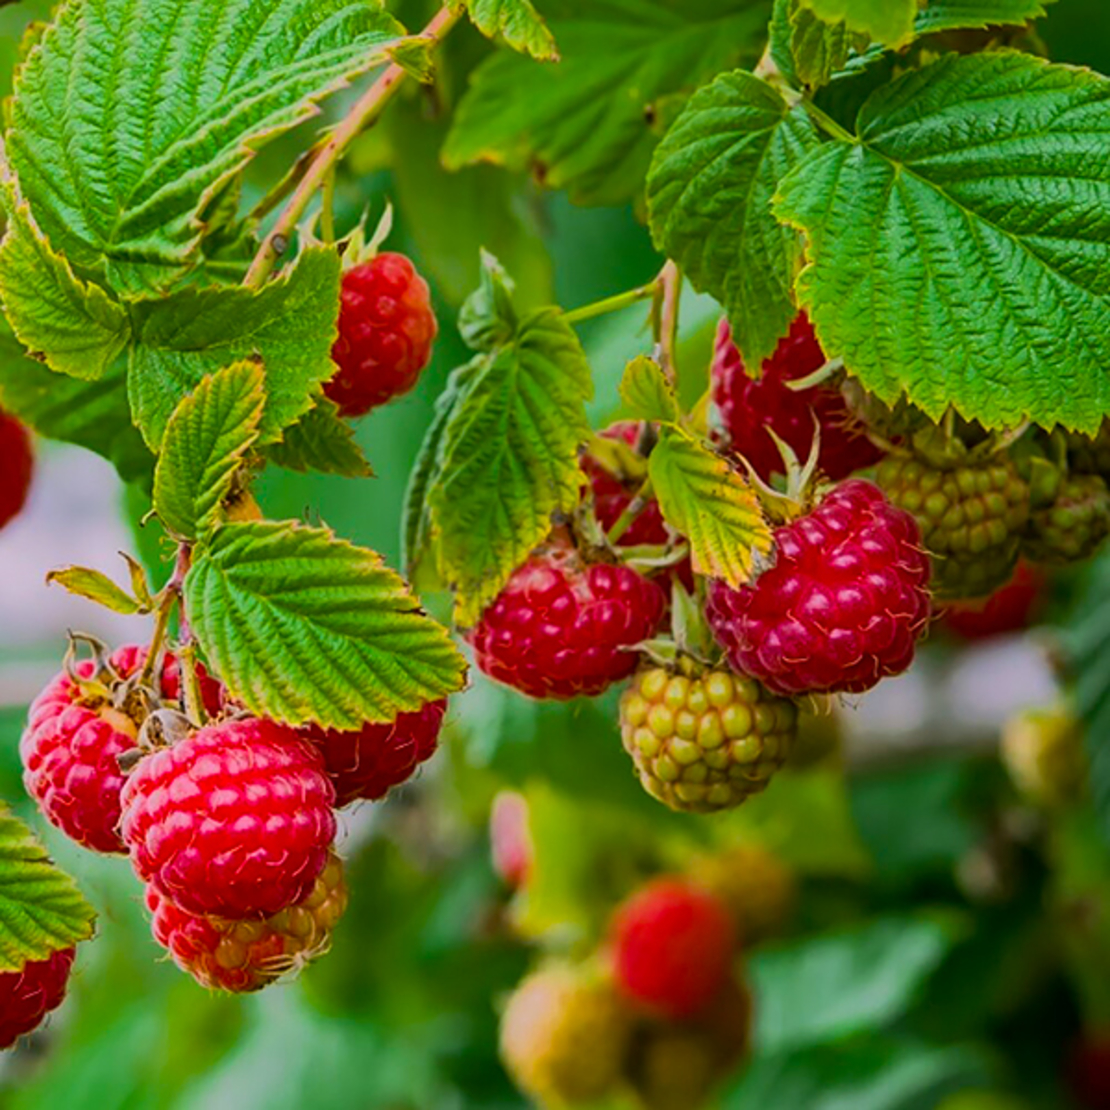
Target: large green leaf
947, 15
888, 21
585, 124
959, 249
206, 441
302, 626
290, 324
515, 21
709, 197
41, 909
129, 116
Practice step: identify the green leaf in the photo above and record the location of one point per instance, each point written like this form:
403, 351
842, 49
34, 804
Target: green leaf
954, 15
94, 415
959, 251
95, 587
41, 909
129, 116
290, 324
321, 440
710, 504
508, 458
488, 318
820, 48
888, 21
830, 987
72, 325
646, 392
585, 124
517, 22
709, 198
302, 626
205, 444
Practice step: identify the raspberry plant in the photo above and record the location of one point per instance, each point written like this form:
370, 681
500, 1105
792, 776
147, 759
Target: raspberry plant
894, 217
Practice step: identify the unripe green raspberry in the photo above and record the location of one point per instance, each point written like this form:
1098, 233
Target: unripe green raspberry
972, 515
675, 1068
1043, 751
705, 742
1073, 527
1090, 454
757, 887
565, 1036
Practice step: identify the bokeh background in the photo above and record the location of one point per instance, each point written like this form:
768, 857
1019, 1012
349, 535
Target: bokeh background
948, 938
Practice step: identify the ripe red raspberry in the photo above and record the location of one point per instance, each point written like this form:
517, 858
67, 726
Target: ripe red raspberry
234, 821
510, 838
672, 946
16, 466
562, 628
749, 407
369, 762
243, 956
612, 495
1009, 609
386, 331
843, 605
74, 737
27, 996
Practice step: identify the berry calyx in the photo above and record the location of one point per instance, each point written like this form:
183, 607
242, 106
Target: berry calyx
841, 608
367, 763
241, 956
1011, 608
233, 821
386, 332
77, 729
27, 996
672, 945
751, 408
563, 627
1073, 527
17, 464
705, 741
564, 1036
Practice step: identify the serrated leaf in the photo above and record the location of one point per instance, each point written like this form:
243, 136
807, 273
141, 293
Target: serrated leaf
960, 250
709, 199
205, 443
302, 626
94, 415
321, 440
129, 116
646, 392
488, 317
95, 587
41, 909
290, 323
954, 15
888, 21
820, 48
72, 325
516, 22
586, 124
710, 504
508, 458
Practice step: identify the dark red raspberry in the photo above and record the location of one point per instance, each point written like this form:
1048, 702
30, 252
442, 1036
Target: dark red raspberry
73, 741
243, 956
750, 407
612, 495
27, 996
386, 331
16, 465
368, 763
234, 821
563, 628
672, 945
1088, 1072
511, 839
1009, 609
843, 605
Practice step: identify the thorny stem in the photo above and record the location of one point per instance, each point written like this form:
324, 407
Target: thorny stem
169, 600
635, 507
665, 318
365, 113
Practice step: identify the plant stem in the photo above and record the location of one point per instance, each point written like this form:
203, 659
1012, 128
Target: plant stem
612, 304
365, 112
193, 696
327, 211
168, 601
827, 123
665, 319
635, 507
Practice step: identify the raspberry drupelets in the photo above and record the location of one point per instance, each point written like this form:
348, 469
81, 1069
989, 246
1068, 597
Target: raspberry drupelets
843, 605
369, 762
612, 495
27, 996
750, 407
386, 331
234, 821
73, 741
562, 627
16, 466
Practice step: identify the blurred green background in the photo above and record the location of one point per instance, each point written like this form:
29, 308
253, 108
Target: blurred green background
949, 941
